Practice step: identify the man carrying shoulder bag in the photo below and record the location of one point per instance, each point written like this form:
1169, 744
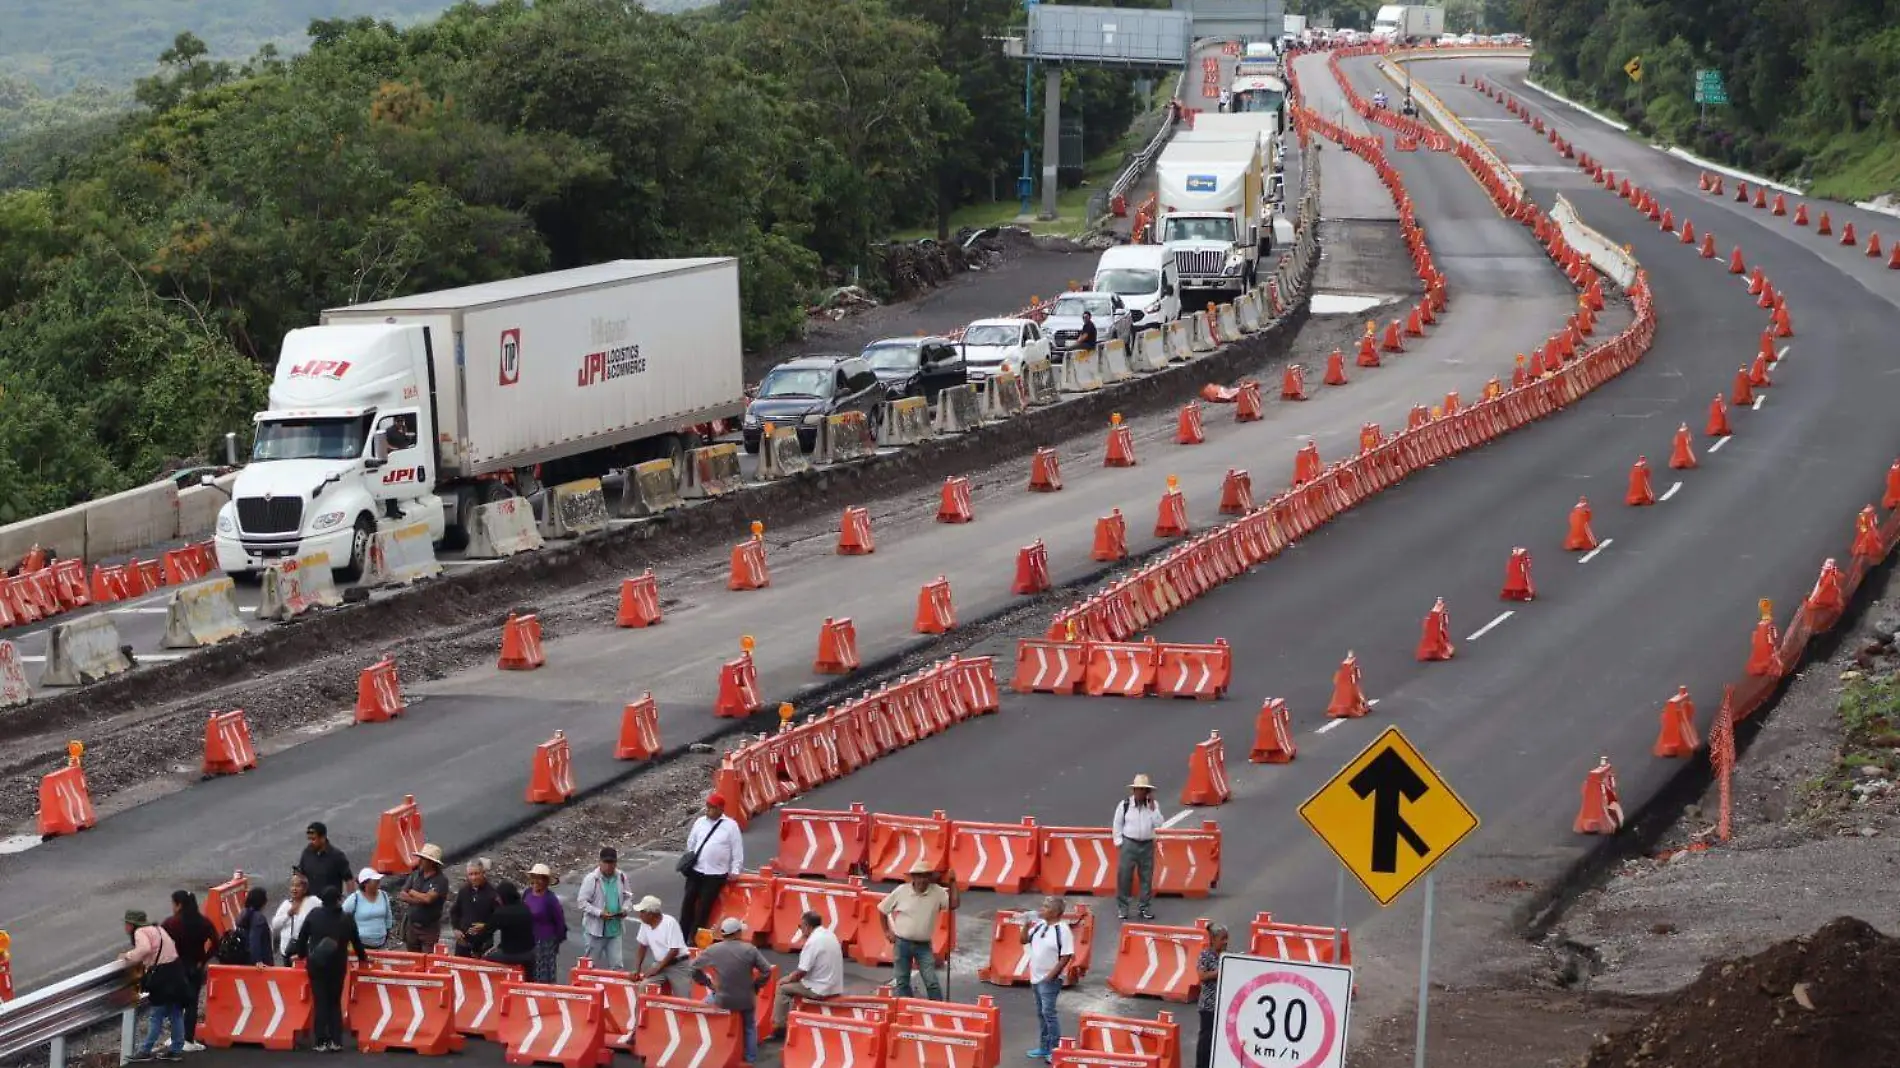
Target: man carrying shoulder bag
715, 852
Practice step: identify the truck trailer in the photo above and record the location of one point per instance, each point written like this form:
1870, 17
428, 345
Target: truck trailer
1211, 194
1408, 23
428, 406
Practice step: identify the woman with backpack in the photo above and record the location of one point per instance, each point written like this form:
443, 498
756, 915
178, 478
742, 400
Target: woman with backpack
328, 933
370, 908
248, 941
197, 943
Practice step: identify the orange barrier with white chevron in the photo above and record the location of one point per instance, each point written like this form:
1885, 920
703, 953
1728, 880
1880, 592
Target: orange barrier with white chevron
1009, 957
620, 995
477, 985
819, 842
792, 898
898, 842
981, 1020
249, 1006
1159, 1038
1298, 942
413, 1011
546, 1024
680, 1033
1157, 960
994, 856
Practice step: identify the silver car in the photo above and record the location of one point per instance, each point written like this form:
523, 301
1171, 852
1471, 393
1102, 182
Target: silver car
1063, 324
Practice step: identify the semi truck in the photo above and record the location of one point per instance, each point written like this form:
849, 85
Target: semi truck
1259, 59
1209, 215
1408, 23
426, 407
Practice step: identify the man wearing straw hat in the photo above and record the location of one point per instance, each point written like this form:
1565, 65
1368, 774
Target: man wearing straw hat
1137, 818
426, 892
909, 915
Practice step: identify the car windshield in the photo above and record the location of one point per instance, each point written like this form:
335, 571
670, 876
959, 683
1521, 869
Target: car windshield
1214, 229
311, 439
797, 382
1258, 100
1073, 307
903, 355
1129, 281
992, 334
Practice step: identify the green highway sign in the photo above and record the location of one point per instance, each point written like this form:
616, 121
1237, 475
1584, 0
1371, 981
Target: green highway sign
1709, 88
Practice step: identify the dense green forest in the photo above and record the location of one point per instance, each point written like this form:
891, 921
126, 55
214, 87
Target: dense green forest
151, 263
1813, 85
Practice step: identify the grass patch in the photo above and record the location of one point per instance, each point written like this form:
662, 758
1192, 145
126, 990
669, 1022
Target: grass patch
1870, 733
1855, 167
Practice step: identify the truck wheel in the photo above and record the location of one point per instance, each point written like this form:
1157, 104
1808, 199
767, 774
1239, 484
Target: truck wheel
360, 539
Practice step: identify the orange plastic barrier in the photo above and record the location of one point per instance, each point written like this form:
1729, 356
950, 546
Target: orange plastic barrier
679, 1033
65, 802
1273, 734
412, 1011
393, 960
1123, 669
1297, 942
1676, 738
1077, 860
1044, 666
872, 948
814, 1040
546, 1024
874, 1007
981, 1020
924, 1047
1157, 961
738, 688
1121, 445
1236, 492
898, 842
953, 504
1032, 569
379, 693
822, 842
639, 729
837, 647
1045, 471
551, 777
639, 601
1111, 538
1069, 1055
1600, 812
1187, 430
521, 643
1009, 958
747, 896
620, 995
854, 533
1171, 519
398, 836
477, 986
936, 614
792, 898
224, 903
1187, 860
250, 1006
1207, 774
748, 566
994, 856
1159, 1038
228, 747
1198, 671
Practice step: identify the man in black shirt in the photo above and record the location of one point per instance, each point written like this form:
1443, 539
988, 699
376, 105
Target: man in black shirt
1085, 340
474, 907
426, 892
323, 865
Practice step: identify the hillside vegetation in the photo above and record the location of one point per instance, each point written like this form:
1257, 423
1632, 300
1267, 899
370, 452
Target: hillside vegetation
1814, 85
150, 269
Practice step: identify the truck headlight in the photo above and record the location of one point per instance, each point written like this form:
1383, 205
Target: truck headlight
814, 418
225, 526
326, 520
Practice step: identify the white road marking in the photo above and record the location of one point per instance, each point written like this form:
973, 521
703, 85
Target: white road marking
1486, 629
1592, 554
1178, 817
1670, 492
1329, 725
1782, 355
143, 658
1760, 399
1719, 442
1374, 703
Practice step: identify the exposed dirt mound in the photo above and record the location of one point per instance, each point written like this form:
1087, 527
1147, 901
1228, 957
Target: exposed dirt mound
1821, 1001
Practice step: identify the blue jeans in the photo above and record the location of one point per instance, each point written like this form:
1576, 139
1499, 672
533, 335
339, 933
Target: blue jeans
749, 1020
918, 954
1046, 992
158, 1016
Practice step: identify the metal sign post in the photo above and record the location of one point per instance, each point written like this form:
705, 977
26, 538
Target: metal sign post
1424, 972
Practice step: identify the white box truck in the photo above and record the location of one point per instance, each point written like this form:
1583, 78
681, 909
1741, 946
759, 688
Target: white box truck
1209, 217
1408, 23
428, 406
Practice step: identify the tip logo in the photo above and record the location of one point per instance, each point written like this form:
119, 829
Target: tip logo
1202, 183
510, 357
331, 369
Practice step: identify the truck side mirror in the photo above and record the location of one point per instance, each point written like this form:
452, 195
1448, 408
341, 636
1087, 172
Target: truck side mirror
378, 450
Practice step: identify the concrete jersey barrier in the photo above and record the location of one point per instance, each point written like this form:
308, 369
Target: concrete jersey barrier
84, 650
503, 528
1003, 396
1229, 324
401, 555
957, 410
62, 533
1081, 372
295, 586
712, 471
1039, 383
906, 422
1151, 353
846, 436
14, 690
576, 508
1605, 255
131, 520
1176, 342
780, 456
1200, 339
1114, 357
649, 489
201, 614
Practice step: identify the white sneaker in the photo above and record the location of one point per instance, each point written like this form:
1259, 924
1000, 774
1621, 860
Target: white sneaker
193, 1047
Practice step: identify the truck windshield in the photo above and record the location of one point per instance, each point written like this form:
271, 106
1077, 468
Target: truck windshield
901, 355
1073, 307
1128, 281
997, 334
1219, 228
311, 439
797, 382
1257, 100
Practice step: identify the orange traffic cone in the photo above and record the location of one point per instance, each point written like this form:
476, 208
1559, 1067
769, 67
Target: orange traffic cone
738, 695
1741, 192
837, 647
1708, 246
1236, 492
1187, 425
1688, 232
1801, 215
1045, 472
953, 502
1247, 406
1335, 368
1640, 491
1171, 515
1824, 227
1273, 734
1767, 299
1781, 205
1829, 594
1393, 342
1768, 351
1349, 698
1121, 444
521, 643
1293, 382
1735, 264
1032, 569
854, 533
1414, 327
1601, 811
1434, 640
1756, 281
1764, 648
1743, 395
551, 775
1580, 537
1847, 233
1893, 256
1368, 352
1207, 774
1519, 373
1668, 223
1111, 538
639, 729
935, 612
1682, 453
1676, 740
1873, 246
1306, 464
1783, 325
1758, 373
1891, 498
1517, 577
1452, 403
1761, 198
1868, 547
639, 601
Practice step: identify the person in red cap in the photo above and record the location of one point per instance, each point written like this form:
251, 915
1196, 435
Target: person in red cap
715, 852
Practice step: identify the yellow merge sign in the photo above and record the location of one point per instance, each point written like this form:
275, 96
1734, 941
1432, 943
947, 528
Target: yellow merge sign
1388, 816
1634, 68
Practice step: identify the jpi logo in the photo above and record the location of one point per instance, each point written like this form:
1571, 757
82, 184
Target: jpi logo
331, 369
510, 357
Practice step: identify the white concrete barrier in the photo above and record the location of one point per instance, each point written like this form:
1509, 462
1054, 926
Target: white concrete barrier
1176, 340
1229, 323
1114, 357
1605, 255
62, 533
957, 410
1200, 338
198, 506
780, 455
402, 554
576, 508
1039, 383
1247, 311
712, 471
503, 528
1003, 397
649, 489
1151, 353
14, 690
83, 650
906, 422
147, 515
295, 586
1081, 372
847, 436
201, 614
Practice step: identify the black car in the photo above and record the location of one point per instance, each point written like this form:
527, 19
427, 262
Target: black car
802, 391
916, 366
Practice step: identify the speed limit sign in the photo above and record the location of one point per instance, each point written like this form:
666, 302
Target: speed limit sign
1280, 1014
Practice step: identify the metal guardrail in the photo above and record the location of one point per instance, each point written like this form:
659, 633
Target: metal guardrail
44, 1017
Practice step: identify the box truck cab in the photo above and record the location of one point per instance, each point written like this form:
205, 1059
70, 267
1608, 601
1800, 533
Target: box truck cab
1143, 276
1209, 215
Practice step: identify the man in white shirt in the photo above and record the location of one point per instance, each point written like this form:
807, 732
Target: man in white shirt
1137, 819
820, 973
1051, 947
716, 852
660, 949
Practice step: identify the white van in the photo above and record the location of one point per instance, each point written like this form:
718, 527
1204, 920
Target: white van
1143, 276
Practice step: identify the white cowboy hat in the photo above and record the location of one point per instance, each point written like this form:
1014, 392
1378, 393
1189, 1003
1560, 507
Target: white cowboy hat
922, 867
1142, 782
545, 872
430, 852
649, 906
